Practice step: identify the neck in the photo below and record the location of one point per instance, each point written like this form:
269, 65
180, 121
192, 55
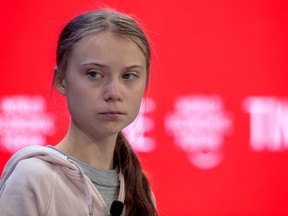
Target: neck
95, 152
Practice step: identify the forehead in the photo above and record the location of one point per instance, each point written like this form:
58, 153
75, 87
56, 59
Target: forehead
107, 45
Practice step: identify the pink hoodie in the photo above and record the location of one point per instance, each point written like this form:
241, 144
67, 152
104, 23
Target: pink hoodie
41, 181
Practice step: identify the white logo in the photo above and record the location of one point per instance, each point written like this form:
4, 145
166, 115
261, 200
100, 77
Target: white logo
24, 121
198, 125
268, 123
137, 132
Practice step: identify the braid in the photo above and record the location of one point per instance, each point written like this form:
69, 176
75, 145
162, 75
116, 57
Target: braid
138, 199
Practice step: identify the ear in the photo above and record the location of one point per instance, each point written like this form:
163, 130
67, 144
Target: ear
59, 81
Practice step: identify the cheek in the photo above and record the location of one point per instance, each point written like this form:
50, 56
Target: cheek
75, 96
136, 103
79, 99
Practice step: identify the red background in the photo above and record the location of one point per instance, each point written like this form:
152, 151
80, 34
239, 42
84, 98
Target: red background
234, 49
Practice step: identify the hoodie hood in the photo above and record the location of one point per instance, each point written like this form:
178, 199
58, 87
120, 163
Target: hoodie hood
58, 159
43, 153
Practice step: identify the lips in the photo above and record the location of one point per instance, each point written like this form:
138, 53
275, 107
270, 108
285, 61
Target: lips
112, 114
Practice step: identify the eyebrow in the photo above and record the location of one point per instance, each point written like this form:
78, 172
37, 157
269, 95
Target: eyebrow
105, 66
94, 64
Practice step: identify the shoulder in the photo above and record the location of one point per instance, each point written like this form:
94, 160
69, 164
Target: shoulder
31, 173
33, 158
28, 186
34, 167
34, 162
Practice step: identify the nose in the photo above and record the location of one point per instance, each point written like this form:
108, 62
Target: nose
112, 91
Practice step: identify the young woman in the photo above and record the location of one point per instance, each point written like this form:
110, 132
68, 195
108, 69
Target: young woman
103, 60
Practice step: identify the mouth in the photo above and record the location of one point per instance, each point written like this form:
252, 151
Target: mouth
112, 114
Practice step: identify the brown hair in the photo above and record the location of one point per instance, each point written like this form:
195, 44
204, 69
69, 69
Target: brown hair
98, 21
138, 199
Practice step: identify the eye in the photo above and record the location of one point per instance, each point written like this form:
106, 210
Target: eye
94, 74
130, 76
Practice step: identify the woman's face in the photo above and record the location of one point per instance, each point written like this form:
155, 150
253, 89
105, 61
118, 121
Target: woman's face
104, 84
